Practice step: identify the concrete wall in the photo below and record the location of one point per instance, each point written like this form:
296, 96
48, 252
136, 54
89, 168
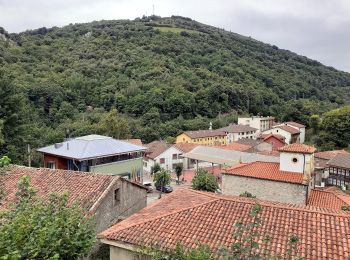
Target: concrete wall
264, 189
120, 168
121, 253
232, 137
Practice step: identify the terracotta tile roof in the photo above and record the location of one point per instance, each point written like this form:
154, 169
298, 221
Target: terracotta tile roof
270, 153
156, 148
185, 147
288, 129
86, 187
266, 171
330, 198
327, 155
234, 147
133, 141
210, 220
204, 133
340, 160
277, 136
295, 124
248, 141
297, 148
234, 128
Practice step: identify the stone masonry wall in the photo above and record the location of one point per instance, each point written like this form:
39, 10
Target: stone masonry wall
264, 189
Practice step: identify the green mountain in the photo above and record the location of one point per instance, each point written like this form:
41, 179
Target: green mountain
163, 75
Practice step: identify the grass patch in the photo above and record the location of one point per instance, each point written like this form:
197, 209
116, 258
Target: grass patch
173, 29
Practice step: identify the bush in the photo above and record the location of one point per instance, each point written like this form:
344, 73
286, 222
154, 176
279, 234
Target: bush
247, 195
205, 181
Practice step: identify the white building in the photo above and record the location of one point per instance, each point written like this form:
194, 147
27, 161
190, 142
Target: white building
259, 122
166, 155
235, 132
292, 132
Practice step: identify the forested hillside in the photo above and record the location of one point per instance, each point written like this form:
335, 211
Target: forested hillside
150, 78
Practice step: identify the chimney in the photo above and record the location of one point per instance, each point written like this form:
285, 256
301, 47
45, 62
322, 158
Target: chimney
210, 126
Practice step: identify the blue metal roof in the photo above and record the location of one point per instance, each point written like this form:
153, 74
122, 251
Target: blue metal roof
91, 146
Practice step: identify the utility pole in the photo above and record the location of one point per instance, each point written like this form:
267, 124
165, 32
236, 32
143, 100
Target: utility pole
29, 156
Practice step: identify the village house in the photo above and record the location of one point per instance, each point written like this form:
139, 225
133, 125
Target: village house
255, 145
321, 167
166, 155
290, 134
96, 153
289, 181
203, 137
194, 218
338, 171
258, 122
235, 132
109, 198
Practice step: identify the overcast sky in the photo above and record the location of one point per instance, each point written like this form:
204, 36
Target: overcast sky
319, 29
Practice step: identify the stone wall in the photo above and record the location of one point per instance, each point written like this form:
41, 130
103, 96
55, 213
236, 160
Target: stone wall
265, 189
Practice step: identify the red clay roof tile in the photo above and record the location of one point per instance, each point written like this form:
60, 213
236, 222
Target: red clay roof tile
266, 171
210, 220
86, 187
330, 198
298, 148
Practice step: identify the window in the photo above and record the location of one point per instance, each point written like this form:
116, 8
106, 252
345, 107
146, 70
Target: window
174, 156
162, 160
51, 165
294, 160
116, 195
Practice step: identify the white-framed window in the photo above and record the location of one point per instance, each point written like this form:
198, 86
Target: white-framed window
51, 165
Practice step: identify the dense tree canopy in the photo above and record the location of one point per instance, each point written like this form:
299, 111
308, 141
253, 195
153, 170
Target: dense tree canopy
162, 75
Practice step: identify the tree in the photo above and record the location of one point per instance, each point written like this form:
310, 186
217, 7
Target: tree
156, 168
34, 228
205, 181
161, 178
113, 125
178, 171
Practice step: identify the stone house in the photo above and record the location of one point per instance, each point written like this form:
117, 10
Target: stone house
289, 181
193, 218
109, 198
277, 141
255, 145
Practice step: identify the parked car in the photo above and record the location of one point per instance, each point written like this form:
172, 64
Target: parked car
148, 185
166, 188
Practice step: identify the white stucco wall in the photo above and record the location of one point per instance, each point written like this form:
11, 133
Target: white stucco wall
232, 137
265, 189
285, 134
301, 166
168, 158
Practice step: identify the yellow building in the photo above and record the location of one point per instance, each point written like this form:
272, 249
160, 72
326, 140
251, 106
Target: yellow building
203, 137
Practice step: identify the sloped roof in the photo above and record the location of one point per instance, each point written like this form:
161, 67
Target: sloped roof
288, 129
156, 148
228, 157
295, 124
204, 133
265, 171
330, 198
85, 186
234, 128
327, 155
133, 141
210, 219
277, 136
234, 147
249, 141
340, 160
185, 147
297, 148
91, 146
